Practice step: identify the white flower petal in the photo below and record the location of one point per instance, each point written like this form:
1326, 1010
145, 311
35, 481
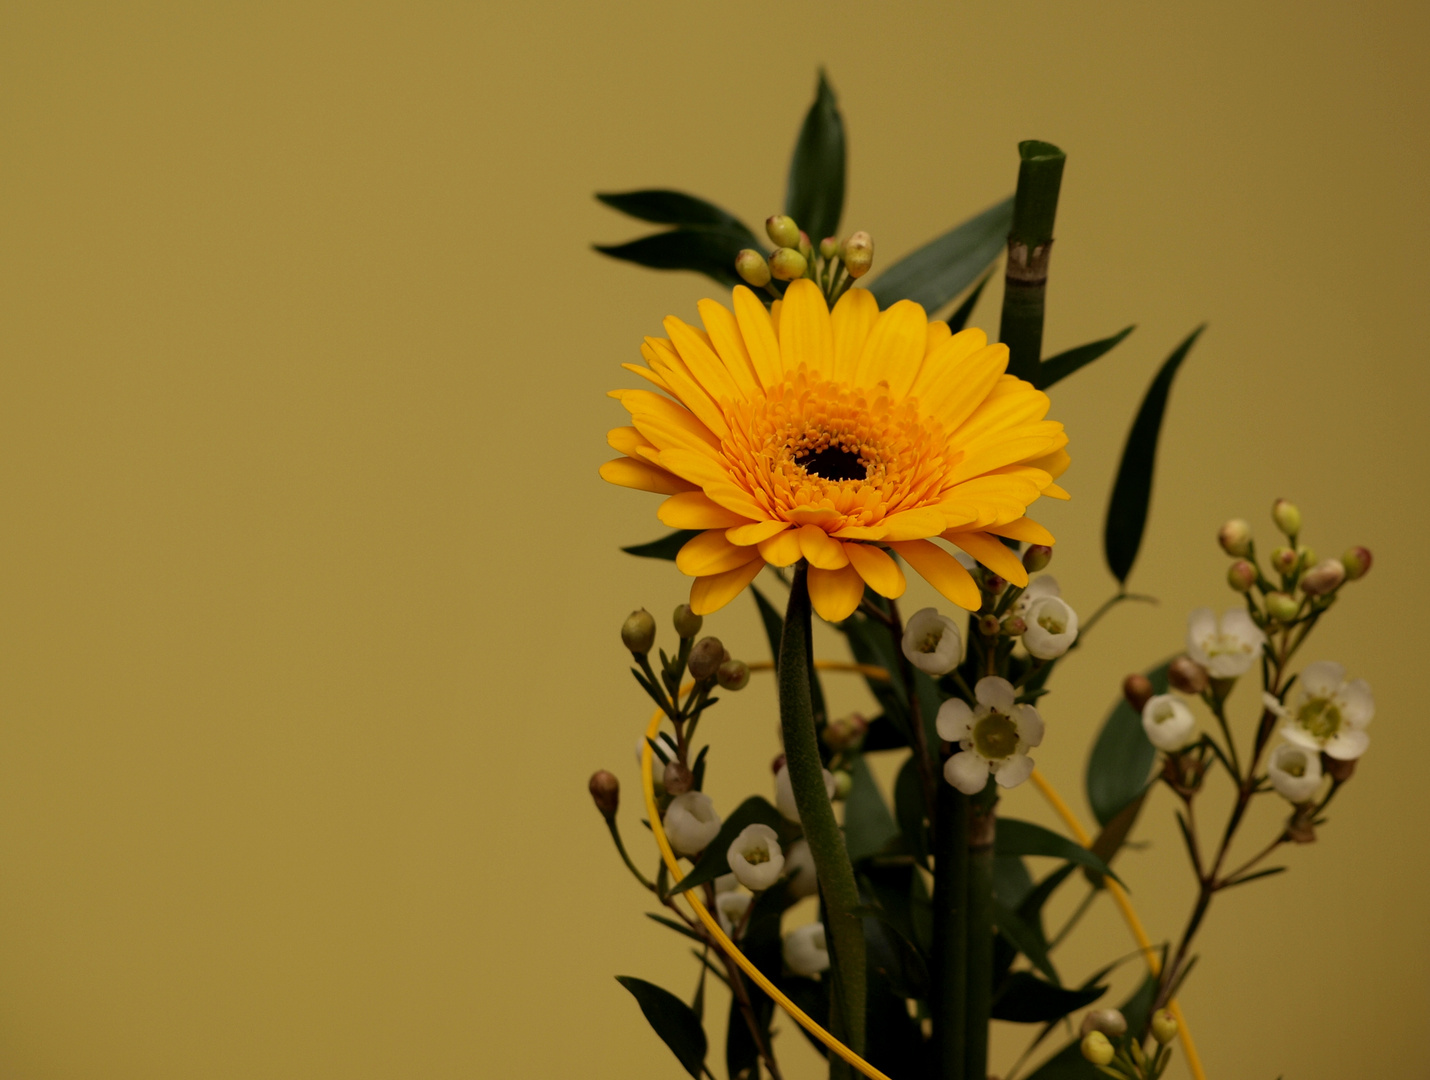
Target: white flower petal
755, 857
784, 792
1201, 625
805, 951
1169, 724
996, 693
954, 720
1269, 700
799, 866
1298, 735
926, 626
1052, 628
1012, 771
1295, 771
966, 771
1029, 723
1322, 679
1356, 702
691, 822
1238, 623
1042, 585
1348, 745
730, 907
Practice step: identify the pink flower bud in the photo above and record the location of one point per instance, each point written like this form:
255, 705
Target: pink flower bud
1138, 690
1187, 675
1324, 578
1241, 576
1235, 538
1357, 563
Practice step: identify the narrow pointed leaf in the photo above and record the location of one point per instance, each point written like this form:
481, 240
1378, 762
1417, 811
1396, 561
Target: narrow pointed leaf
1253, 876
673, 1020
715, 861
945, 266
665, 207
815, 197
667, 547
679, 928
959, 319
1132, 492
1024, 838
1027, 999
1024, 938
707, 249
1056, 368
1121, 757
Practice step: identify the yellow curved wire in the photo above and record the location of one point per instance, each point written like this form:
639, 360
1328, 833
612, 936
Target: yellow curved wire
1060, 807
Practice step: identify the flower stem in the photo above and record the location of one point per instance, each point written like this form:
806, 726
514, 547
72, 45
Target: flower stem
621, 847
1030, 242
982, 824
843, 927
950, 933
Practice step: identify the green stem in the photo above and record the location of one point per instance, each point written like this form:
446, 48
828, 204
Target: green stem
981, 827
621, 847
950, 933
842, 926
1030, 241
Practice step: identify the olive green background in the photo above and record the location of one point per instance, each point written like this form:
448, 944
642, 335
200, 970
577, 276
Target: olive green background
309, 590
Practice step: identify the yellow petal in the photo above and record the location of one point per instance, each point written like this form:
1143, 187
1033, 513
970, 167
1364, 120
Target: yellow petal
711, 475
942, 571
992, 553
950, 398
628, 472
835, 593
1052, 491
1006, 451
627, 440
725, 337
861, 532
850, 322
814, 515
710, 553
667, 423
914, 524
820, 548
667, 363
759, 335
754, 533
1054, 464
880, 572
782, 549
775, 308
946, 357
700, 359
805, 336
938, 333
648, 374
895, 349
695, 510
1024, 529
709, 594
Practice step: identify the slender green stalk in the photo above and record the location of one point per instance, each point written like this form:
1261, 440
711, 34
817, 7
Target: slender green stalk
950, 933
625, 858
1030, 242
982, 824
842, 926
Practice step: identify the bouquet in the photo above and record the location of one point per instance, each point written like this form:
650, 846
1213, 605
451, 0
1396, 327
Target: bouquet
833, 436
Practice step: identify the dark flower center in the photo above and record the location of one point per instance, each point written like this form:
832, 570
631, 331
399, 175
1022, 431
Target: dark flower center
834, 463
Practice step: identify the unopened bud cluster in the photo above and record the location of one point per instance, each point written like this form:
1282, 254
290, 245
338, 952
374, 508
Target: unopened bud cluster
1107, 1044
833, 264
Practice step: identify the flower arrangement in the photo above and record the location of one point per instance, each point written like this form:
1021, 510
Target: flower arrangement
836, 435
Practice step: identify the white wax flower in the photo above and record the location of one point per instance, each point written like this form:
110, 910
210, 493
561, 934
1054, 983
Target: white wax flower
995, 737
1041, 586
1330, 713
691, 822
755, 857
784, 792
1052, 627
1295, 771
805, 950
1169, 724
931, 642
730, 908
799, 866
1228, 648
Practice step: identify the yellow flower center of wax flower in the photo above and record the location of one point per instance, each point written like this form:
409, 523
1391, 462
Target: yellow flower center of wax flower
1320, 717
811, 443
1162, 712
1052, 623
995, 736
1224, 645
930, 641
1294, 765
756, 855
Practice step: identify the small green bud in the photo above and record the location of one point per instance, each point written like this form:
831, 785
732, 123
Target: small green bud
843, 784
805, 247
1235, 538
1015, 626
1286, 516
782, 231
1138, 690
687, 623
829, 247
787, 264
733, 675
706, 658
1108, 1021
1096, 1048
1186, 675
1037, 558
1281, 607
1284, 560
988, 625
752, 267
858, 254
1305, 557
845, 733
638, 632
1164, 1026
605, 793
1357, 563
1241, 576
1324, 578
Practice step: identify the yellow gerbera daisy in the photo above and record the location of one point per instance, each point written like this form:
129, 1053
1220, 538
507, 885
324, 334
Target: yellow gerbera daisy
836, 437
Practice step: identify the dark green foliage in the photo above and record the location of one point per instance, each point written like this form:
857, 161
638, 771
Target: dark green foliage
1024, 838
945, 266
1027, 999
673, 1020
1056, 368
667, 547
815, 197
1121, 757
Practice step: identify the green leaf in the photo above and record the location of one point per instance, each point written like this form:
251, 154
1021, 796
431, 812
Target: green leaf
679, 928
665, 207
1069, 1064
1121, 757
673, 1020
959, 319
667, 547
945, 266
1025, 938
714, 862
1132, 491
1011, 881
1253, 876
868, 826
815, 196
910, 809
883, 735
1027, 999
706, 249
1016, 837
773, 621
1056, 368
